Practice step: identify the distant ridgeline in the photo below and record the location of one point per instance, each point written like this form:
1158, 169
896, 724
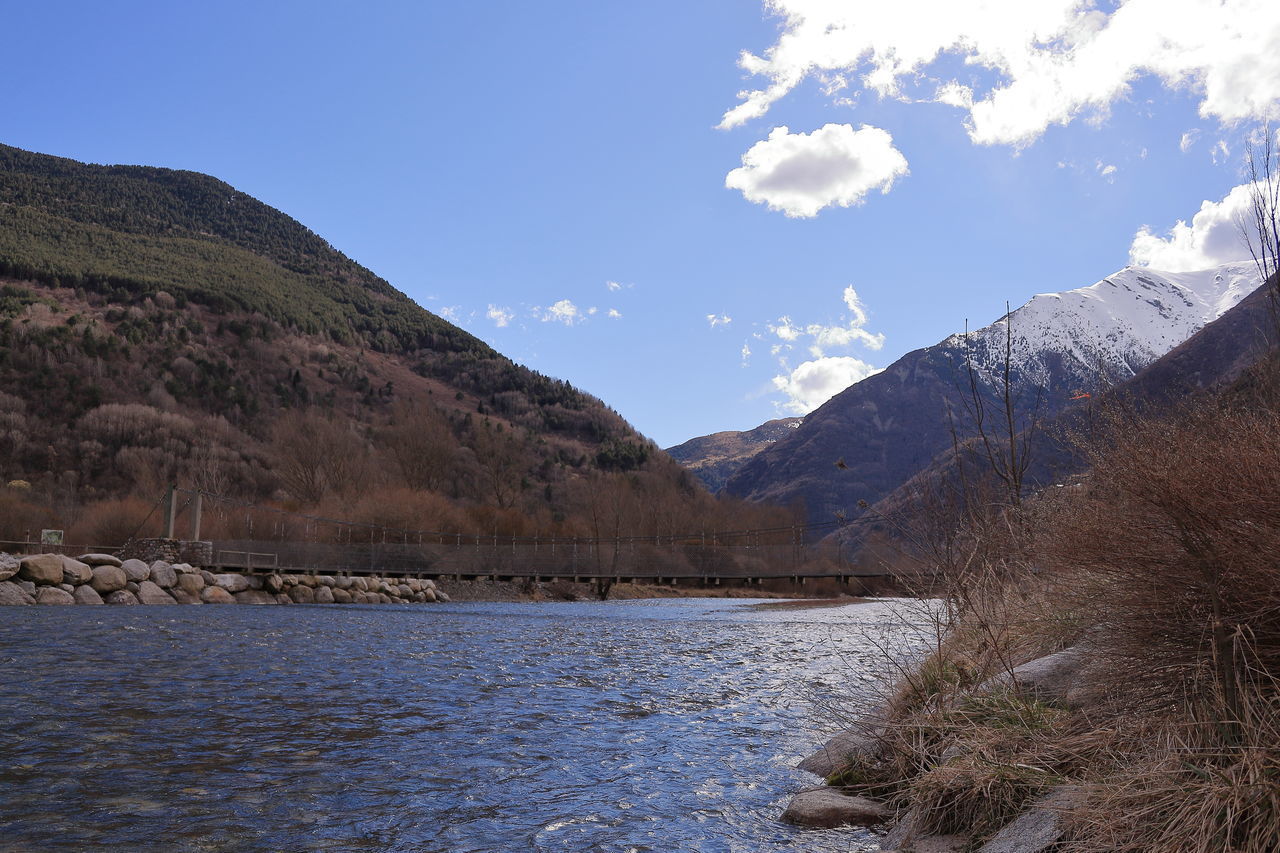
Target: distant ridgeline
159, 324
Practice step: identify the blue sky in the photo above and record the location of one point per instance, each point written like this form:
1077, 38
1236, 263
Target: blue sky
515, 165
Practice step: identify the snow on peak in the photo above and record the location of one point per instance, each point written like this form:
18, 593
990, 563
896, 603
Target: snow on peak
1115, 327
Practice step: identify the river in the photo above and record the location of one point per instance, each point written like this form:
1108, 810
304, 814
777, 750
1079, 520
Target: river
668, 725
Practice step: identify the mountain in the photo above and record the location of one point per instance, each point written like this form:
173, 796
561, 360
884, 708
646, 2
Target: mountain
891, 425
160, 325
714, 458
1230, 357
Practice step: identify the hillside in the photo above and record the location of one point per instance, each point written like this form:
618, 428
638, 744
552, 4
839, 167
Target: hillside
889, 426
715, 458
159, 325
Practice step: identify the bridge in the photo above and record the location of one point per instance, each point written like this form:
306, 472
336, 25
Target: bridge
277, 540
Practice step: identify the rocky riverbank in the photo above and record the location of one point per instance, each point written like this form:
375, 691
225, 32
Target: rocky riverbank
105, 579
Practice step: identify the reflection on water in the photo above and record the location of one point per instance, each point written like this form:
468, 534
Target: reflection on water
622, 726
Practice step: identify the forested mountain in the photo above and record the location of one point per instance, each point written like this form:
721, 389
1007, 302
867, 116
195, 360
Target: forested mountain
159, 325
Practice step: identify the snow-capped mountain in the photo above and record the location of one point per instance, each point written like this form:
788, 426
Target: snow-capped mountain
891, 425
1113, 328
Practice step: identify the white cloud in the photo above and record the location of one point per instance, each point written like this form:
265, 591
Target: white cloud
501, 317
1212, 238
801, 173
593, 310
563, 311
1188, 139
746, 354
1107, 171
452, 313
719, 320
1029, 63
614, 314
613, 286
815, 382
824, 337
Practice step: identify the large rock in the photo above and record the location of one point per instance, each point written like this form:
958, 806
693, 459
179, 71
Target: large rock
231, 582
430, 595
827, 807
9, 566
1050, 678
136, 570
53, 595
302, 594
324, 595
254, 596
341, 596
861, 740
906, 835
108, 579
86, 595
149, 592
121, 596
216, 595
11, 593
163, 575
42, 569
326, 580
344, 582
441, 595
281, 598
75, 572
99, 560
191, 584
273, 584
1038, 829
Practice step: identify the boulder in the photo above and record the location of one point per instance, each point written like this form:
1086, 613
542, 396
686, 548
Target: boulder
67, 587
359, 597
302, 594
136, 570
344, 582
149, 592
99, 560
404, 591
441, 595
132, 587
26, 586
429, 584
1038, 829
360, 584
76, 572
828, 807
863, 740
906, 835
191, 584
281, 598
163, 575
231, 582
11, 593
185, 568
341, 596
216, 595
256, 581
121, 596
324, 595
326, 580
53, 595
273, 583
1050, 678
41, 569
107, 579
208, 577
308, 580
431, 595
9, 566
181, 596
254, 596
86, 595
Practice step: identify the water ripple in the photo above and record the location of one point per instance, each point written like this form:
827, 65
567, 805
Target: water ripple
627, 726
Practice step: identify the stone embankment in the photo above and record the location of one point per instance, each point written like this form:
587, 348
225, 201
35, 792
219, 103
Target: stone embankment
105, 579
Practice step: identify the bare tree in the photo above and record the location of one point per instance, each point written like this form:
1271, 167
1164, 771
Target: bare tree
1259, 224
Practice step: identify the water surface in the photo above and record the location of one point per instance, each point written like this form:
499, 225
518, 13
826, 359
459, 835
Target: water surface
667, 725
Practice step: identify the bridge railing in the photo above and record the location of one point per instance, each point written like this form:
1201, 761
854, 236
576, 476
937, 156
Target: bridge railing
539, 559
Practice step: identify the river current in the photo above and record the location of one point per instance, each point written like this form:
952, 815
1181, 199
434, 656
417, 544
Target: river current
669, 725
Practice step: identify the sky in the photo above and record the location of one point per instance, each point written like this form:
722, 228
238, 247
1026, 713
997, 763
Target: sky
708, 213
